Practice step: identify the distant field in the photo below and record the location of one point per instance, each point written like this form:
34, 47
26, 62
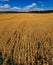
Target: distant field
26, 39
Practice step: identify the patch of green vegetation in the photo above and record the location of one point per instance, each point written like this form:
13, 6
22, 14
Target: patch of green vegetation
0, 13
11, 60
1, 59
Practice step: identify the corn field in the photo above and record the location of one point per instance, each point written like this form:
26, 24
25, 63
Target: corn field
26, 39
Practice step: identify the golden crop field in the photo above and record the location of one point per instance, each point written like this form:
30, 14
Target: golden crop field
26, 39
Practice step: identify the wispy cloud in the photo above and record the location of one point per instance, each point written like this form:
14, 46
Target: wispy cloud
28, 7
15, 8
38, 9
31, 7
4, 6
40, 2
8, 7
4, 0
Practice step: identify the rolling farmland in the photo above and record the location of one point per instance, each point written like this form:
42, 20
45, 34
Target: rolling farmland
26, 39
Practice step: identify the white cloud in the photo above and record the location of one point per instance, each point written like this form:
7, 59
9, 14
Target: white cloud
15, 8
8, 7
29, 6
38, 9
4, 0
4, 6
1, 7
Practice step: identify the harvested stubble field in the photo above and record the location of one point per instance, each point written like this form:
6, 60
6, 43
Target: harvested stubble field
26, 39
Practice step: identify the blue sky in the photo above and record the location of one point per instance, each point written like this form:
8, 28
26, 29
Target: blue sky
25, 5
